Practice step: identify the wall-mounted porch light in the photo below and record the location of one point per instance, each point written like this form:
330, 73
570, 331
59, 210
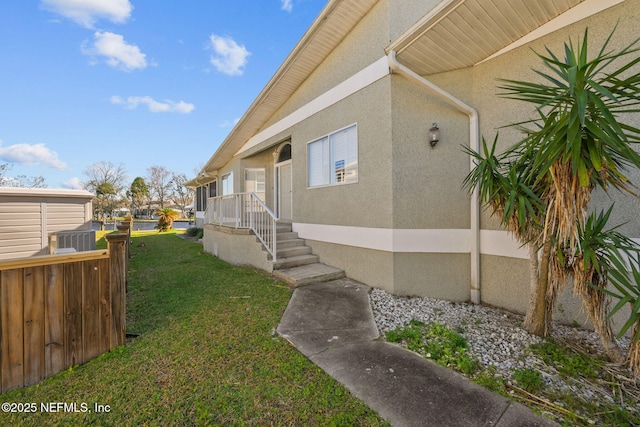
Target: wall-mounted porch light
434, 135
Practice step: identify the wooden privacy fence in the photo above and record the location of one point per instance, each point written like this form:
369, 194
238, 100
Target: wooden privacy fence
57, 311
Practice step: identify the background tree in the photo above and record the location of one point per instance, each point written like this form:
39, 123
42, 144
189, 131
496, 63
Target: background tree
106, 181
105, 199
20, 180
159, 183
138, 194
541, 186
183, 195
31, 181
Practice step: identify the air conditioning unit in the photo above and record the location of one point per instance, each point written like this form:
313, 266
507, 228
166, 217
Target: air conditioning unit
72, 241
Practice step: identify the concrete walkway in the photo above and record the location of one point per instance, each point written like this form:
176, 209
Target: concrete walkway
332, 324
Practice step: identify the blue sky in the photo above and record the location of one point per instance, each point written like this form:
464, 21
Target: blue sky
133, 82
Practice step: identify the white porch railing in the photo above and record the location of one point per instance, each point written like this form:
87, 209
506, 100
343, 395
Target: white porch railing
244, 210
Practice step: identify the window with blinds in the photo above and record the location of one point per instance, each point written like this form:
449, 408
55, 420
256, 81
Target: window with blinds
333, 159
227, 184
254, 181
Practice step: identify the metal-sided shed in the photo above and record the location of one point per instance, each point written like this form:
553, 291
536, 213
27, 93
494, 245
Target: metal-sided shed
29, 215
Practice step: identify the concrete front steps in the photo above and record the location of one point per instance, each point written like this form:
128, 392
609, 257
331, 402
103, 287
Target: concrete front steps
308, 274
295, 264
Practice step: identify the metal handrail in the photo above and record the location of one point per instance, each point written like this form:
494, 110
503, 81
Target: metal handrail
244, 210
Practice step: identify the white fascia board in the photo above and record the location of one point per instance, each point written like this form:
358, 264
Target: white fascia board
353, 84
571, 16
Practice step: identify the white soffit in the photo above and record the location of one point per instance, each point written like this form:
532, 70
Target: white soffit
463, 33
335, 21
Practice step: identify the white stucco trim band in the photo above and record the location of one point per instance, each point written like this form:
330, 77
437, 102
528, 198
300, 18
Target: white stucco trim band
353, 84
400, 240
501, 243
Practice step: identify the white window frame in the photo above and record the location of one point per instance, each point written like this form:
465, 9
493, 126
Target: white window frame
258, 184
227, 181
329, 165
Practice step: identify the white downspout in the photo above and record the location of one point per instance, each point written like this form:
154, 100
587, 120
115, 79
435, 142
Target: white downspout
474, 143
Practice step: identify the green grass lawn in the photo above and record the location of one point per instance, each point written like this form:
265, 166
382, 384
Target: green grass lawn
206, 354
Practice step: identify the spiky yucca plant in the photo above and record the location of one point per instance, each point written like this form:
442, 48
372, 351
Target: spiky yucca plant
541, 186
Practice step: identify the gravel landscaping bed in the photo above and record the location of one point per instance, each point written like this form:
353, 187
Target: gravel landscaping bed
496, 338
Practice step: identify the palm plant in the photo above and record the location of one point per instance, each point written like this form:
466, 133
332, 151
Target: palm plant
166, 216
541, 186
601, 260
627, 291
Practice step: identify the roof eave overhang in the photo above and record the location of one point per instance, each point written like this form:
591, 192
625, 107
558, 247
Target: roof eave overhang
423, 25
458, 34
203, 178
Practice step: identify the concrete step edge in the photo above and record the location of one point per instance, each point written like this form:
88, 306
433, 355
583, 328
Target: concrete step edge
295, 261
288, 275
290, 243
299, 250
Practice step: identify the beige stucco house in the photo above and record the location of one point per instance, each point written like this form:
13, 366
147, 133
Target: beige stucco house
337, 145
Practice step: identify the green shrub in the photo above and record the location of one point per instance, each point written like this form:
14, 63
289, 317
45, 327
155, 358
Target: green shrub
436, 342
490, 379
194, 232
410, 336
528, 379
566, 361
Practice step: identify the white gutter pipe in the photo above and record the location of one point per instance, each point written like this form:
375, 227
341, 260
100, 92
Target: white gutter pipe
474, 143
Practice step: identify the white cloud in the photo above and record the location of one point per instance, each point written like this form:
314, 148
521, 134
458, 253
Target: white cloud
31, 155
167, 106
87, 12
230, 58
73, 184
287, 5
229, 123
117, 52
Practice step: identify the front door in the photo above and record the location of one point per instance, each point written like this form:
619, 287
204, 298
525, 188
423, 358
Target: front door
284, 190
